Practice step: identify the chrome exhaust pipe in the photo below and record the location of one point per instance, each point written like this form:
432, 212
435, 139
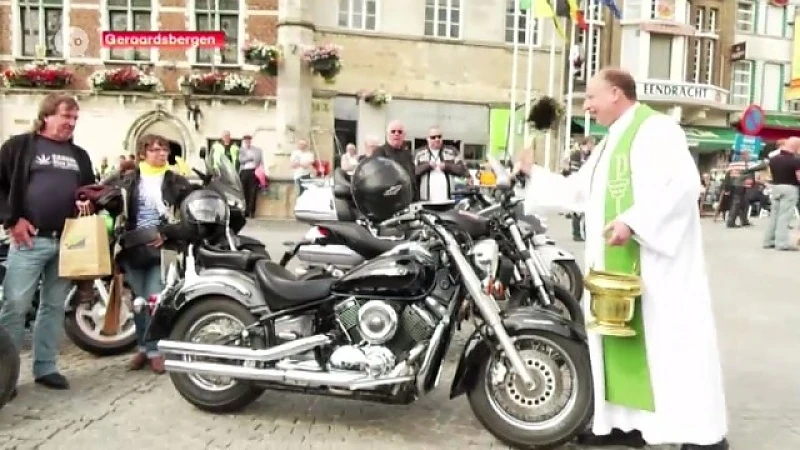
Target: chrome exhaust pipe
243, 353
307, 378
288, 377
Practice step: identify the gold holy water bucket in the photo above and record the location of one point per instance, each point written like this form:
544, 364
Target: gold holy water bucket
612, 301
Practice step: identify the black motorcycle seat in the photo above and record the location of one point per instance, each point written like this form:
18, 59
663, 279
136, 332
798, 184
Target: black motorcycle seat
341, 184
225, 259
283, 290
360, 240
470, 223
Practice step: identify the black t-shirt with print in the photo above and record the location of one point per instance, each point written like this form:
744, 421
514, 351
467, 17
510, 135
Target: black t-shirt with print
54, 178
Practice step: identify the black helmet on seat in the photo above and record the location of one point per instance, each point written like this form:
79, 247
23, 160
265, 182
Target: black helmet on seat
381, 188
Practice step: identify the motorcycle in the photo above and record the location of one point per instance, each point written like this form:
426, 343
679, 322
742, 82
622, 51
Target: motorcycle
378, 333
328, 203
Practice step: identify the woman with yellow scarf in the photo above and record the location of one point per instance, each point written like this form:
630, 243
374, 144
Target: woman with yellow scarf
153, 191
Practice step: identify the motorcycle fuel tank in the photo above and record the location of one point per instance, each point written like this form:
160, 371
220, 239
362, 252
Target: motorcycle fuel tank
402, 273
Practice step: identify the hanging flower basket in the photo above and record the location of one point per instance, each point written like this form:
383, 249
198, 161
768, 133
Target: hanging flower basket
376, 98
218, 83
38, 76
324, 60
130, 79
546, 113
266, 56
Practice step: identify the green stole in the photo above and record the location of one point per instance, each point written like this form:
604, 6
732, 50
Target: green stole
627, 375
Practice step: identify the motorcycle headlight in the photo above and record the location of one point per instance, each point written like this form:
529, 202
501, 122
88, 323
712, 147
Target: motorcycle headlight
486, 257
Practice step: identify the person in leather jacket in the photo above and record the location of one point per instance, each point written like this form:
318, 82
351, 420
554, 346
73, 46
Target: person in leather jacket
153, 193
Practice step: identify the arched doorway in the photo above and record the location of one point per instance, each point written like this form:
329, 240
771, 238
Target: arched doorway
164, 124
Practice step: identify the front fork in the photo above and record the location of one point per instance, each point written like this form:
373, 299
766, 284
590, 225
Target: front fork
486, 305
530, 265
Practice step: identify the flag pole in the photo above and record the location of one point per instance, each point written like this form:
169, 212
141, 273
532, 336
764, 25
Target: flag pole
528, 72
574, 53
587, 119
512, 121
551, 89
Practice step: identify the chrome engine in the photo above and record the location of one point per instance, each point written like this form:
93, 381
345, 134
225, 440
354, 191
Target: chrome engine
381, 333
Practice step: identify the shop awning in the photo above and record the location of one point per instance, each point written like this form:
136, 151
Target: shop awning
710, 139
700, 139
778, 126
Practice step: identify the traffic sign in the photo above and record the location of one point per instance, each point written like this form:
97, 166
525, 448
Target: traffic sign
753, 120
746, 144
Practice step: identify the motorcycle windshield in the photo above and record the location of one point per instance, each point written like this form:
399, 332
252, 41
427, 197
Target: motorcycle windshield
227, 180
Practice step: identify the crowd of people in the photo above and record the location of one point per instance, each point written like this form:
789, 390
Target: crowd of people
655, 234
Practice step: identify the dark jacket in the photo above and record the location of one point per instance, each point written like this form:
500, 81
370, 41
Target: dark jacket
403, 157
16, 157
453, 167
174, 190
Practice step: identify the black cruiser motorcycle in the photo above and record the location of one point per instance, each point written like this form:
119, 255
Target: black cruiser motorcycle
378, 333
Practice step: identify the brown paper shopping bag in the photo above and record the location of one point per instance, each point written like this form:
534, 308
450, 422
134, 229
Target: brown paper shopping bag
84, 252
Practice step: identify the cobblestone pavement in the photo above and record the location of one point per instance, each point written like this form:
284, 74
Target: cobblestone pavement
755, 293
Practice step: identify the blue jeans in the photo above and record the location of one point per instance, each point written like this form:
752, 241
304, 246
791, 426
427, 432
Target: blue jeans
26, 266
144, 283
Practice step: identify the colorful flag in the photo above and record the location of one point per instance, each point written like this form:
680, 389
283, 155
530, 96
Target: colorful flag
612, 5
570, 9
542, 9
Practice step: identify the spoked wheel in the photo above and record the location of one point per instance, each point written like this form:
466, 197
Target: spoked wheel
546, 415
207, 322
85, 321
568, 275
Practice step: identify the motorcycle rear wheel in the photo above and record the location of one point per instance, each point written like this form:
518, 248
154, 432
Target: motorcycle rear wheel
485, 395
9, 367
236, 395
572, 276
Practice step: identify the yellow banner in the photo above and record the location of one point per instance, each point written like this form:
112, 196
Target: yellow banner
793, 91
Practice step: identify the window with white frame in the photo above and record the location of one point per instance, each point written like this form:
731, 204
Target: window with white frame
660, 61
704, 46
358, 14
222, 15
592, 45
632, 9
774, 21
746, 16
522, 19
741, 83
40, 23
443, 18
130, 15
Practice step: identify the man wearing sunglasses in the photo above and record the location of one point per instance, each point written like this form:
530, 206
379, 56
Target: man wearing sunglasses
395, 149
436, 167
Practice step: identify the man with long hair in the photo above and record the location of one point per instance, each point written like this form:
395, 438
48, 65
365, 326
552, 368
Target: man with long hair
40, 172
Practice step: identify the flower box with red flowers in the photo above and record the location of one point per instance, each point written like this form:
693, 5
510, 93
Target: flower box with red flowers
128, 78
38, 76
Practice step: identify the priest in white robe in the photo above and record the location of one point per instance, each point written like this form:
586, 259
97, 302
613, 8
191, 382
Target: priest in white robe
663, 386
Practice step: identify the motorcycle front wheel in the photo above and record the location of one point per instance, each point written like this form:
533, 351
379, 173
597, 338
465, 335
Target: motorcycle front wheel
568, 274
553, 412
206, 322
84, 322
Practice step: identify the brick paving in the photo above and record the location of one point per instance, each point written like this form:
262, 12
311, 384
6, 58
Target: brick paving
755, 294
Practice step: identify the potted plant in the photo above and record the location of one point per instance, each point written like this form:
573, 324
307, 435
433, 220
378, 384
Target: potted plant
377, 97
38, 76
324, 60
266, 56
218, 83
129, 78
546, 113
